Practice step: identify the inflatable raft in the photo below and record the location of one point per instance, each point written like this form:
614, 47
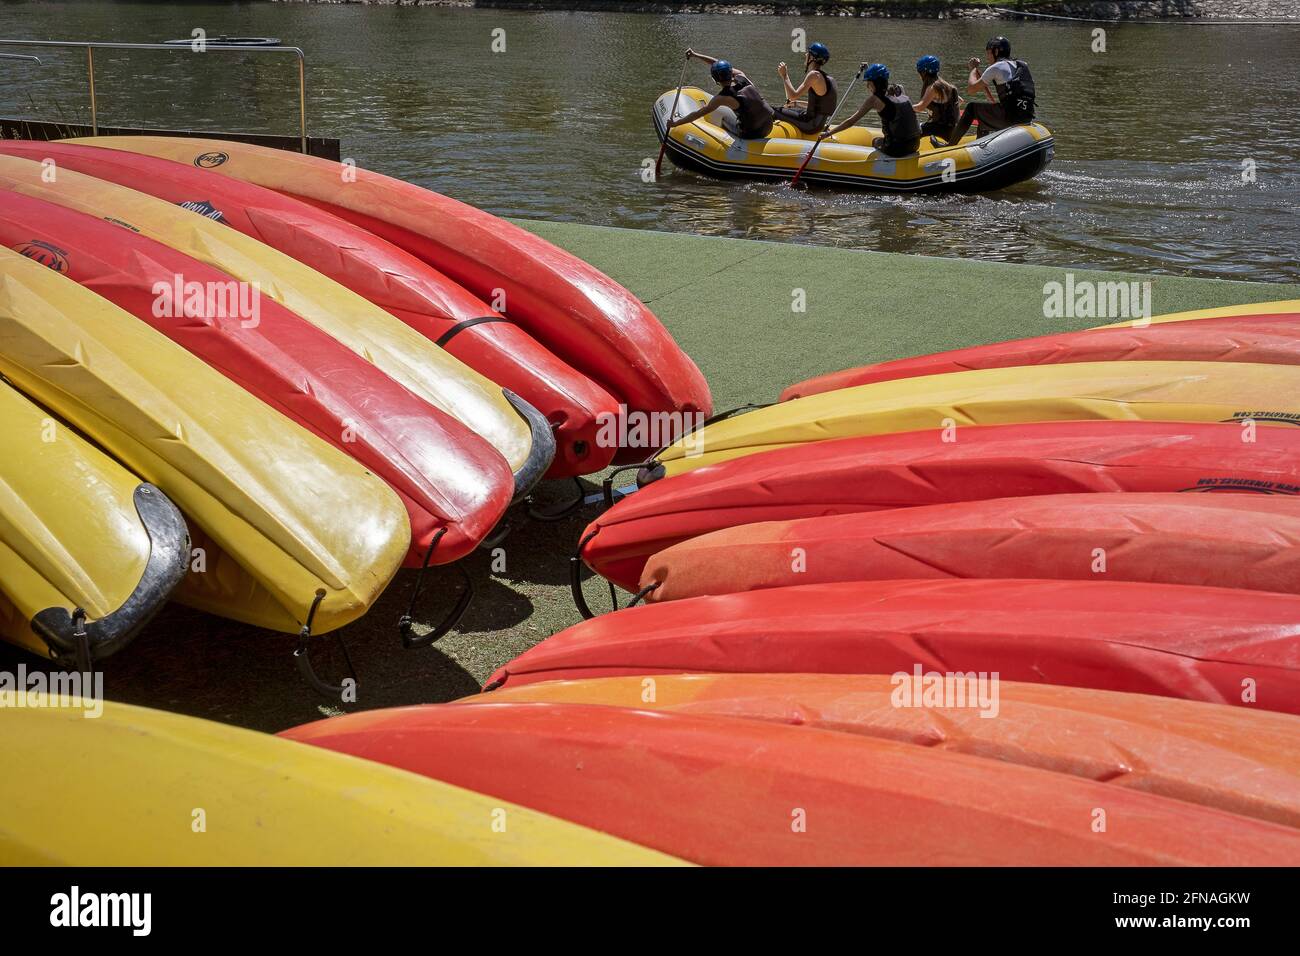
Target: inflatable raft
848, 160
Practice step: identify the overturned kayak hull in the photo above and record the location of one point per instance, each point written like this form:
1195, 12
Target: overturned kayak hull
88, 552
1265, 339
848, 161
1246, 394
269, 802
1225, 541
395, 281
1227, 758
729, 791
454, 484
314, 528
909, 469
1208, 644
579, 314
515, 429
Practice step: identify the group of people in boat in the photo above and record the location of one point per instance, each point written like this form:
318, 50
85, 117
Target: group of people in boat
810, 106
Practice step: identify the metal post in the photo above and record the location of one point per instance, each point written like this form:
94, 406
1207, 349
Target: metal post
94, 109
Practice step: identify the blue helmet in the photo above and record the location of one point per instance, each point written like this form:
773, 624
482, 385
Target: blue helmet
721, 71
928, 64
819, 52
876, 71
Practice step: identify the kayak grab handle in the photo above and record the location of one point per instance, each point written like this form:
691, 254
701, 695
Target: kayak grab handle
575, 581
302, 655
453, 617
652, 470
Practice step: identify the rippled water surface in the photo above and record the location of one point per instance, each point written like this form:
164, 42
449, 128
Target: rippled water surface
1151, 135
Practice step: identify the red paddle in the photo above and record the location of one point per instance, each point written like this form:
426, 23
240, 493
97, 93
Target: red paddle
807, 159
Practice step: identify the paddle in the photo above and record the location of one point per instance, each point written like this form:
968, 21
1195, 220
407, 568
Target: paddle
817, 142
672, 115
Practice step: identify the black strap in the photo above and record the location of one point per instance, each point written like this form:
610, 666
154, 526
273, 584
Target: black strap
452, 332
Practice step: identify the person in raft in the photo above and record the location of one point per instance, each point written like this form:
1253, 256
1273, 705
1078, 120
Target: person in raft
897, 117
818, 86
939, 98
752, 117
1008, 84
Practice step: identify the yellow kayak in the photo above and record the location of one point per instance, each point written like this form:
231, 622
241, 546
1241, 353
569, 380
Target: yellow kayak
847, 159
1085, 391
297, 514
136, 787
78, 533
1275, 307
406, 356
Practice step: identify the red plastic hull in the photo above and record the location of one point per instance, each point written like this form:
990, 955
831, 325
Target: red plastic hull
377, 270
1230, 758
918, 468
447, 476
1173, 641
1226, 541
724, 791
1266, 339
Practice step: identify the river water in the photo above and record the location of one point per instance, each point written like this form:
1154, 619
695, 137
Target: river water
1176, 147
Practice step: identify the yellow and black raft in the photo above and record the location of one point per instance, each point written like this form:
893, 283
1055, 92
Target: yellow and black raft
848, 160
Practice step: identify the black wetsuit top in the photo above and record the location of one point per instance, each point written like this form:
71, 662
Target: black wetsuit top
901, 128
754, 116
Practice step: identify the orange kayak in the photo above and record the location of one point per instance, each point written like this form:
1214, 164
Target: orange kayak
729, 791
1233, 759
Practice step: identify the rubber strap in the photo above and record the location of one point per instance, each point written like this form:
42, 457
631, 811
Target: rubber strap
459, 327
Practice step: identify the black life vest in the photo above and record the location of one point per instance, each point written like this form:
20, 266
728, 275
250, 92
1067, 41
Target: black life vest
898, 120
754, 115
1017, 95
945, 113
822, 105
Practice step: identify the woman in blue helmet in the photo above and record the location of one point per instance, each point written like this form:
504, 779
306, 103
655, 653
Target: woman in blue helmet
752, 115
902, 132
939, 98
818, 85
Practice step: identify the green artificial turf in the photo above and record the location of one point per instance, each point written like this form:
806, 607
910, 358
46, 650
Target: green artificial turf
728, 302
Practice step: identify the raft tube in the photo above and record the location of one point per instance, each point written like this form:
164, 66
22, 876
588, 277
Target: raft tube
270, 802
317, 535
847, 160
514, 428
726, 791
1227, 541
453, 483
581, 315
1223, 757
1215, 645
1265, 339
88, 552
1237, 392
375, 269
877, 472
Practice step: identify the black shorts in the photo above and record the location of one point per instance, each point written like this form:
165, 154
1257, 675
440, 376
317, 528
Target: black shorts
942, 130
800, 120
896, 148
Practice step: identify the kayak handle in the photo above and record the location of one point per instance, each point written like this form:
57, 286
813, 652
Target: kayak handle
575, 581
410, 641
302, 655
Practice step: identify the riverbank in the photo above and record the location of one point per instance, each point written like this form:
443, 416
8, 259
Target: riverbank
1173, 10
731, 304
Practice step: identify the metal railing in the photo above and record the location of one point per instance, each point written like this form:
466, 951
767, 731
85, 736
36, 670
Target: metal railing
91, 46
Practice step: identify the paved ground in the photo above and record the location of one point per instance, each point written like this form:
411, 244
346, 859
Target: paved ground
729, 303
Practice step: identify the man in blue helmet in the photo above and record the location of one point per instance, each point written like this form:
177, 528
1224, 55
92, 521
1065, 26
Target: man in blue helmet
750, 116
1007, 82
819, 87
902, 131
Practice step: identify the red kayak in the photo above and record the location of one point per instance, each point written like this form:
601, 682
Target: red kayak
1230, 758
1227, 541
448, 477
727, 791
1206, 644
1265, 339
377, 270
581, 315
917, 468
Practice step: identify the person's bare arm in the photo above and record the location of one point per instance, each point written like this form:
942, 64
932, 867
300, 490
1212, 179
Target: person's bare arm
922, 106
705, 110
702, 57
872, 103
973, 82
